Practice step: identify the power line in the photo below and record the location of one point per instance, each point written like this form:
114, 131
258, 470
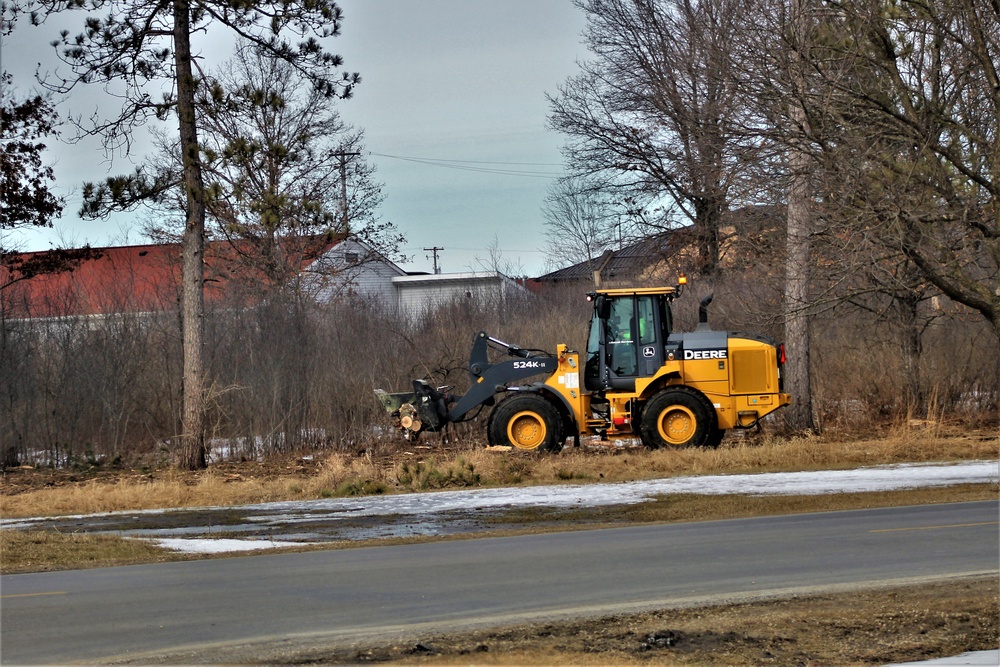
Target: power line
451, 247
470, 165
523, 164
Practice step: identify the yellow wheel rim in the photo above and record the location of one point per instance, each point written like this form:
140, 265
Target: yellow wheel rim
677, 425
526, 430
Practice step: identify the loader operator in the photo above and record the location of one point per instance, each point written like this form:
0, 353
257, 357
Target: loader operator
623, 354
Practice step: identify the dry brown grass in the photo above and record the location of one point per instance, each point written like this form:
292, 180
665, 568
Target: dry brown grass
174, 488
341, 474
41, 550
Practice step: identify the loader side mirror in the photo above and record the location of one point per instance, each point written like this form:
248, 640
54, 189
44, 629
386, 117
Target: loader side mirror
603, 307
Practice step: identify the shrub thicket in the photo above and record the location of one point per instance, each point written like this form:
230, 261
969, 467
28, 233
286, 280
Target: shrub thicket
292, 375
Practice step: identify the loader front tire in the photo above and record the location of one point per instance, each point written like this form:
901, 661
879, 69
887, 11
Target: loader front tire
677, 417
526, 421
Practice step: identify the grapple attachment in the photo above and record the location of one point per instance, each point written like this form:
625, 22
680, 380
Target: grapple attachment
423, 409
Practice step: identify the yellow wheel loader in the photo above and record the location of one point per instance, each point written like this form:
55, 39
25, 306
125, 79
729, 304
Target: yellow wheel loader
638, 379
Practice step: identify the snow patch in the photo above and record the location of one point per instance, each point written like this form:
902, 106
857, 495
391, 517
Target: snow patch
207, 546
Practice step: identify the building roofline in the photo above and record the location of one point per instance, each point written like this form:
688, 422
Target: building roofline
449, 277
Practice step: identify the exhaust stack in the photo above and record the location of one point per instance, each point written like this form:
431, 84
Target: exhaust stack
703, 313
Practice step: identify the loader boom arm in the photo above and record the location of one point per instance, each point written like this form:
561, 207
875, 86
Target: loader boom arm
487, 379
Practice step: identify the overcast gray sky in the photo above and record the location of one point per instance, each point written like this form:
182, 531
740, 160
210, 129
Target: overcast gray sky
444, 82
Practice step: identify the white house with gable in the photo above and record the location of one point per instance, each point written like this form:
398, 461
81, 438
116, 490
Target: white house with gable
419, 294
354, 269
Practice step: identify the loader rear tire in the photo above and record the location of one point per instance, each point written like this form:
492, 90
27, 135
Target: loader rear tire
677, 417
526, 421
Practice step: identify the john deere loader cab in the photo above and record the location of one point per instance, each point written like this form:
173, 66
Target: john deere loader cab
628, 336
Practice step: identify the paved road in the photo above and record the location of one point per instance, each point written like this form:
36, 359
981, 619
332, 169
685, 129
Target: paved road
294, 600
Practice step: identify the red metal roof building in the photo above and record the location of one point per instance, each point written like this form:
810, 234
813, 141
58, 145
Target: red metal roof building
140, 279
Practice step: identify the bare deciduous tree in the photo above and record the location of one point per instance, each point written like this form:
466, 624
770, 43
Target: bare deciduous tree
656, 114
904, 113
580, 221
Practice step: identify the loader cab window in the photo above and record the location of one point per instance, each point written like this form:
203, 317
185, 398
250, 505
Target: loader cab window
626, 341
622, 334
592, 368
647, 320
666, 318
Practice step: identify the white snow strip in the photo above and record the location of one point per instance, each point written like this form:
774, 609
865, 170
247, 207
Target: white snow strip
207, 546
880, 478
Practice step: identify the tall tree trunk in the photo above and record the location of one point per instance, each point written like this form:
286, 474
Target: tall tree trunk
798, 377
912, 349
192, 449
708, 220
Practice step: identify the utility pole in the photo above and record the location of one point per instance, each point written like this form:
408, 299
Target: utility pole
344, 222
435, 250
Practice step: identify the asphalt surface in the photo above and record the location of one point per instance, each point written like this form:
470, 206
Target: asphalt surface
233, 609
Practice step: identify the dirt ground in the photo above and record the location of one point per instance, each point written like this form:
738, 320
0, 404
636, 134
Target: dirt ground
871, 627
